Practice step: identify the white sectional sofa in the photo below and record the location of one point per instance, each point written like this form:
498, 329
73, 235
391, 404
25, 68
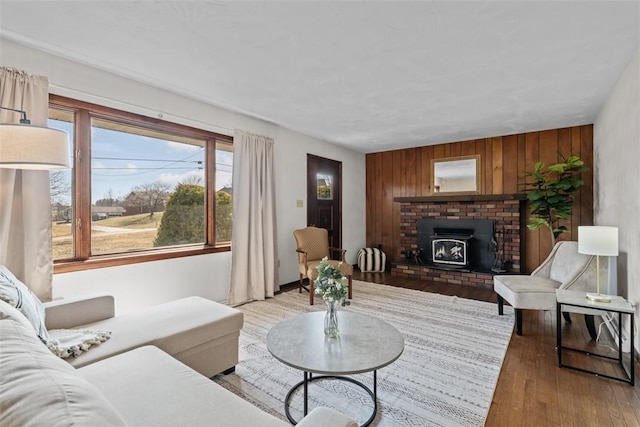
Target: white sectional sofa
152, 372
200, 333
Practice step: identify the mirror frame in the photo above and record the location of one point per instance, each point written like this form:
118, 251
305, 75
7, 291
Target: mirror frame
475, 157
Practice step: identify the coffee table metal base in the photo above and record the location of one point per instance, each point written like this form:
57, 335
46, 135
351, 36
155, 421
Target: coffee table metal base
308, 378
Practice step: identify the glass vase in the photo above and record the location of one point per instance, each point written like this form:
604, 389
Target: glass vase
331, 319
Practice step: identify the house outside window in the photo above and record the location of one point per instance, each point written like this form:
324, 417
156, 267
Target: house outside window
139, 189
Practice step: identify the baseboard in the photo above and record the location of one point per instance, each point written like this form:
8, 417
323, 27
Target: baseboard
288, 286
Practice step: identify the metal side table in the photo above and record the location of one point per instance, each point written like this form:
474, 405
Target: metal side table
576, 301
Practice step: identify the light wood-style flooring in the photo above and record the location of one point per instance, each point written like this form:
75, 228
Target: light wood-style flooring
532, 390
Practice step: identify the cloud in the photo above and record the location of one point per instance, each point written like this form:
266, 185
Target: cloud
98, 165
224, 157
182, 147
223, 179
131, 168
174, 179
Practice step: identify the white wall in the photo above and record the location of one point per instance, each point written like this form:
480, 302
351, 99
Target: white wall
291, 185
206, 275
140, 285
616, 135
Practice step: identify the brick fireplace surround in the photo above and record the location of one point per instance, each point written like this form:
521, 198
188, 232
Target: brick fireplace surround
507, 210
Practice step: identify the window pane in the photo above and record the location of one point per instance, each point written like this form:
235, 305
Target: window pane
147, 189
62, 192
224, 191
324, 188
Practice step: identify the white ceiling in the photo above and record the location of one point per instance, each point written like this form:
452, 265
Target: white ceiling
371, 76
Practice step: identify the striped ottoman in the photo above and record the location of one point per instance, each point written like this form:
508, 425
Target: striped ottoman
371, 260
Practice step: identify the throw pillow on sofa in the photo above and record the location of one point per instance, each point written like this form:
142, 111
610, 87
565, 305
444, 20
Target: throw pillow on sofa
18, 295
62, 342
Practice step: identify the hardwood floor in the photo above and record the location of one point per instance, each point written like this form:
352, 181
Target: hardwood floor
532, 390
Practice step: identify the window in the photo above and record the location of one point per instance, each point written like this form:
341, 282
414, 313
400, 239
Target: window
61, 192
139, 189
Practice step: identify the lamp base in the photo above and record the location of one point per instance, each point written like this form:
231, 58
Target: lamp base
598, 297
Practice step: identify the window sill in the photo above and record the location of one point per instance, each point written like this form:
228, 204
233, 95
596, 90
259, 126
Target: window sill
103, 261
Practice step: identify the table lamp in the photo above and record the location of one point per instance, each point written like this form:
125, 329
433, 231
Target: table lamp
598, 241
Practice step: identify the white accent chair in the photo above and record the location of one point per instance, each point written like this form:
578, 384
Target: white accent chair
564, 268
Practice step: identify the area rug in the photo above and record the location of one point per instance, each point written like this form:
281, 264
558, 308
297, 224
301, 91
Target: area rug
446, 376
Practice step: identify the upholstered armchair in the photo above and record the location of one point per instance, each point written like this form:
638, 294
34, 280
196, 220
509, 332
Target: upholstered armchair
564, 268
313, 245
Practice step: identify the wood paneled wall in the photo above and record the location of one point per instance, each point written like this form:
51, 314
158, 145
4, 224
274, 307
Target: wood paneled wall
504, 161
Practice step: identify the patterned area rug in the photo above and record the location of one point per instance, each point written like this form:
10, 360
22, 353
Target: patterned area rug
454, 348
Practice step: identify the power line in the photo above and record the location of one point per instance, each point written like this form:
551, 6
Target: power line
137, 168
148, 160
199, 162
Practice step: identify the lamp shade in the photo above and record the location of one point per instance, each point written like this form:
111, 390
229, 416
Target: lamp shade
598, 240
25, 146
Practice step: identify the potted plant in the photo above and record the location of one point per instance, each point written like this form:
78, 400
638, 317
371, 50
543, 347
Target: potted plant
550, 192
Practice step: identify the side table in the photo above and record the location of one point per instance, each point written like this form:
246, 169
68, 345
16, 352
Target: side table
579, 303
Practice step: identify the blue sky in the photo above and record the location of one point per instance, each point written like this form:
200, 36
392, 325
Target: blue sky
121, 161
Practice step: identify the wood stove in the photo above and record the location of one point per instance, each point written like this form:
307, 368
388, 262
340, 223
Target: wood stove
457, 244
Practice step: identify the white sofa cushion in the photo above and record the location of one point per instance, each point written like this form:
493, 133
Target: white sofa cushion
320, 416
39, 389
160, 391
150, 388
176, 327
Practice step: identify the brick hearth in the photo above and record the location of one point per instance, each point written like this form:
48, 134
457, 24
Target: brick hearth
507, 210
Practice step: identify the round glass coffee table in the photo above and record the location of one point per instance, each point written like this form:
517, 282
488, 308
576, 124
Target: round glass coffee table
365, 344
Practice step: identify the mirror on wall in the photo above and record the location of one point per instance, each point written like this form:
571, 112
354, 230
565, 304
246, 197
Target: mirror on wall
455, 175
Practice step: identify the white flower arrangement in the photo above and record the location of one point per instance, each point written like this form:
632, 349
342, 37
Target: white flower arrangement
331, 283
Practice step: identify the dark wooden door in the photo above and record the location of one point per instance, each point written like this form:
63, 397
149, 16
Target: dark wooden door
324, 196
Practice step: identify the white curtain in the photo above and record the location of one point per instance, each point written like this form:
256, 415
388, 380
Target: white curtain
253, 239
25, 212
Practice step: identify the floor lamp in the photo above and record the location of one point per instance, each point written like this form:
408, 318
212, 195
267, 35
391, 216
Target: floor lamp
26, 146
598, 241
